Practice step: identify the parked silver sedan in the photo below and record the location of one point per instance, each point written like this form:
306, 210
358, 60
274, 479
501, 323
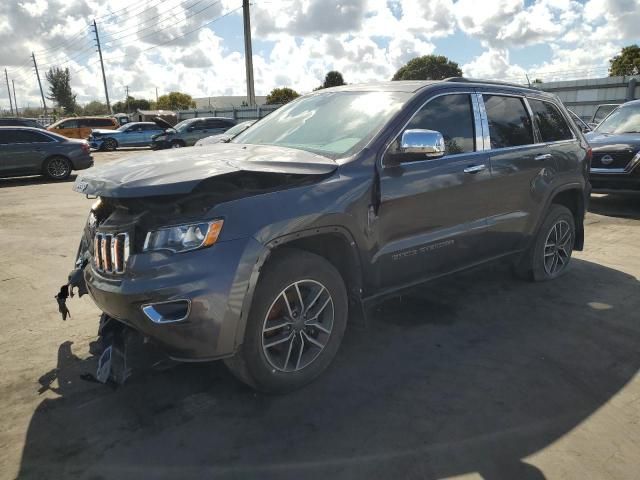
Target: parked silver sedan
32, 151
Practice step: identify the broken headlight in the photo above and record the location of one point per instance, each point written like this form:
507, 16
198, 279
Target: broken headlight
183, 238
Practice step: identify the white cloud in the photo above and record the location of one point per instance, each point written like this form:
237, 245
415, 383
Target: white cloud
300, 41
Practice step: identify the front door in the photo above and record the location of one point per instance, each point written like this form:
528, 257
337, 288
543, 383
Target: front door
22, 151
432, 212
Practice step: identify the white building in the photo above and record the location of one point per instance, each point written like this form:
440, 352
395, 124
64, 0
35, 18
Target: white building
227, 101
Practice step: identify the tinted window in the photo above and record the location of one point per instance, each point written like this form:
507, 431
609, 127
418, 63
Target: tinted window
509, 122
26, 136
5, 136
69, 124
451, 115
552, 125
151, 127
104, 122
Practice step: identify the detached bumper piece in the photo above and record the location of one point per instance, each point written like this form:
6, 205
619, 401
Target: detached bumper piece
125, 352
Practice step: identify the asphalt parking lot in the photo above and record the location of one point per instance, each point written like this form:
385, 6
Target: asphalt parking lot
477, 376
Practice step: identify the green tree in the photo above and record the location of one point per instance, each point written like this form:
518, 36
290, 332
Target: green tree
280, 96
60, 89
428, 67
134, 105
175, 101
332, 79
95, 108
626, 63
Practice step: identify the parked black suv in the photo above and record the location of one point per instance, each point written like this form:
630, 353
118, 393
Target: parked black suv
258, 251
616, 150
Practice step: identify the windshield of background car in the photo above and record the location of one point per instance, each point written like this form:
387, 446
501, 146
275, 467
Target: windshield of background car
335, 124
183, 125
623, 120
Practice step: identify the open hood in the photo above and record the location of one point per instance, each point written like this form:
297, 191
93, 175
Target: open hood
625, 142
162, 123
179, 171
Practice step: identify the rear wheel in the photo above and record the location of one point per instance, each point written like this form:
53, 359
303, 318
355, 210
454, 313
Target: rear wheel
109, 144
550, 254
57, 168
295, 325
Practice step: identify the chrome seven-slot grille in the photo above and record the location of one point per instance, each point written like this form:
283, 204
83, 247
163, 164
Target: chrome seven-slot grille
110, 252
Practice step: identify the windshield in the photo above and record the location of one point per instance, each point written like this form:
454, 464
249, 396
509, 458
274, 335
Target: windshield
241, 127
124, 127
623, 120
183, 125
335, 124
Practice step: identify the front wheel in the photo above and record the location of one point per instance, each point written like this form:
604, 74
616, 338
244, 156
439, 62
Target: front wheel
177, 144
109, 144
550, 254
57, 168
295, 325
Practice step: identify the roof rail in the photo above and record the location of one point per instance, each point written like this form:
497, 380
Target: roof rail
478, 80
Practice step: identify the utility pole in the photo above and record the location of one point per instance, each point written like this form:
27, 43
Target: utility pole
15, 100
248, 55
8, 90
127, 99
104, 78
156, 98
44, 104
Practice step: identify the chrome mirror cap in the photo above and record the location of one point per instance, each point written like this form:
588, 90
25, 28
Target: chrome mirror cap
428, 142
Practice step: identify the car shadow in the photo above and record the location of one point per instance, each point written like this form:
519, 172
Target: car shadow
616, 205
468, 374
32, 180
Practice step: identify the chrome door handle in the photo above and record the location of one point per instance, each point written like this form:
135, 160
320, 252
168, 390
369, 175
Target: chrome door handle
542, 156
474, 168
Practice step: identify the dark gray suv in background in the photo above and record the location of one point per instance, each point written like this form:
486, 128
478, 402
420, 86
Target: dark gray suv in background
33, 151
260, 251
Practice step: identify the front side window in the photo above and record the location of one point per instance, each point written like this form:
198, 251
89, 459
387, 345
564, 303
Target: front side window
551, 123
334, 124
509, 122
623, 120
452, 116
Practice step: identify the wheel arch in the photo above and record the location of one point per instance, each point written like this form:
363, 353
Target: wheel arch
572, 197
335, 244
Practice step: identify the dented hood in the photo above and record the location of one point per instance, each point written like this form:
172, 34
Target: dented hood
179, 171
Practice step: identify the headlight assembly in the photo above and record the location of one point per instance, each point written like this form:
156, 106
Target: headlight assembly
183, 238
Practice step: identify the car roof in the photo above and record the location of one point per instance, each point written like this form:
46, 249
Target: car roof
630, 103
21, 127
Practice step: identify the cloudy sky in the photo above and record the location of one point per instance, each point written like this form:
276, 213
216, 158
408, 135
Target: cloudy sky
196, 46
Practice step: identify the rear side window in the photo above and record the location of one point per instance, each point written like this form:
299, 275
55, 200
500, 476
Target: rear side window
451, 115
551, 123
27, 136
509, 122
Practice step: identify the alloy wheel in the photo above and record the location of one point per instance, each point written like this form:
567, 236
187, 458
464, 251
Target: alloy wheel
58, 168
557, 247
297, 325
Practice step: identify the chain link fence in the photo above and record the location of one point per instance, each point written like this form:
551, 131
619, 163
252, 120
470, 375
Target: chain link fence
239, 113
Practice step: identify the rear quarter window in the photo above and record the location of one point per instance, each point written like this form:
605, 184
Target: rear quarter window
551, 123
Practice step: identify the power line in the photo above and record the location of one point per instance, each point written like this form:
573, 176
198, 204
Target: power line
183, 35
128, 29
147, 35
141, 9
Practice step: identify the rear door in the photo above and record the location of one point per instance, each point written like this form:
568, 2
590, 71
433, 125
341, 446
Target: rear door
432, 213
522, 168
149, 131
22, 151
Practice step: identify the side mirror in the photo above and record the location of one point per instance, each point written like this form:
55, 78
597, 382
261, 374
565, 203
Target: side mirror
427, 142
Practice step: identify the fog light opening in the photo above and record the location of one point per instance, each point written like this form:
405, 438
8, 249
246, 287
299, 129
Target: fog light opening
167, 312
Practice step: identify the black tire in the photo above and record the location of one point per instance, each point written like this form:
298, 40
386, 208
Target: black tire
109, 144
57, 168
549, 255
269, 369
177, 144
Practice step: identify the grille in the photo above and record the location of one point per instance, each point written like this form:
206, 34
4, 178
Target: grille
110, 252
619, 159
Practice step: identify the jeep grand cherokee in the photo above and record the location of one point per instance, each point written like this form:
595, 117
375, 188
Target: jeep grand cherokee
259, 251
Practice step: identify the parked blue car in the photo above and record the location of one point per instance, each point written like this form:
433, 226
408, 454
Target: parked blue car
133, 134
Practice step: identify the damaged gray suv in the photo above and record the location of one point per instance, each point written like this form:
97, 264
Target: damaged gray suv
262, 250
